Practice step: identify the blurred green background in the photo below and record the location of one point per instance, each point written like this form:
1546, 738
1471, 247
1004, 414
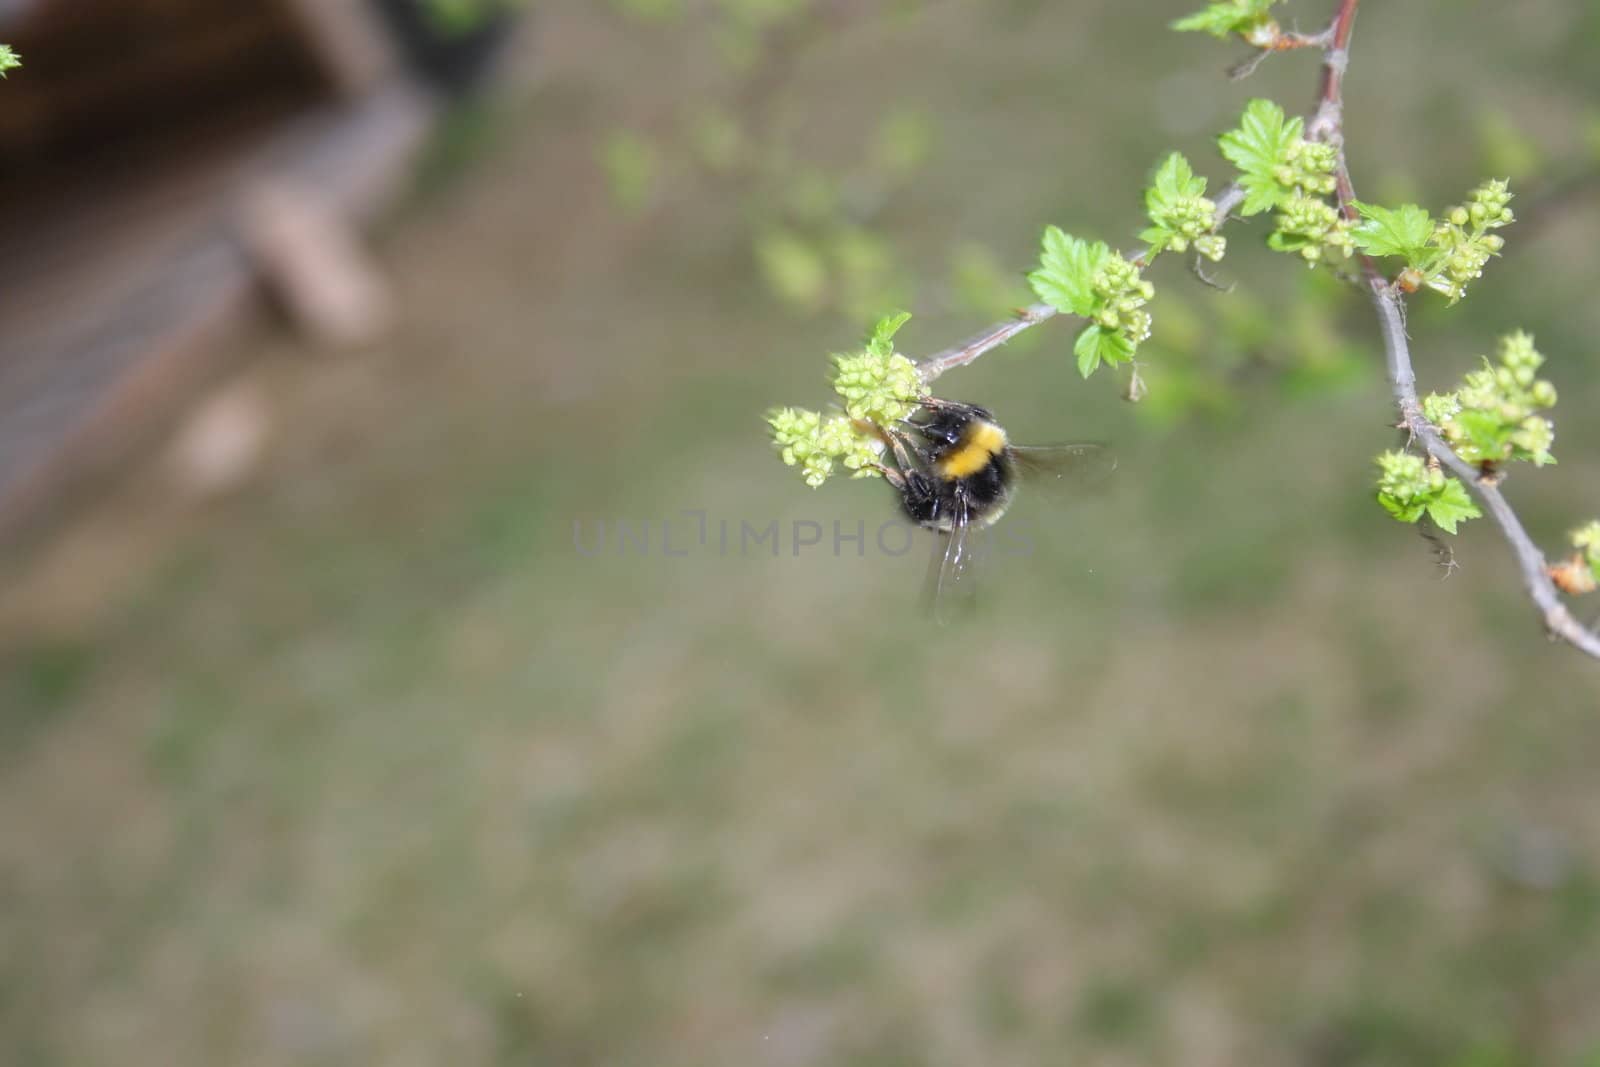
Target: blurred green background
366, 763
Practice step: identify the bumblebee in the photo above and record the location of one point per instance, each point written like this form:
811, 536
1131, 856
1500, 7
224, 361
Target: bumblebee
956, 471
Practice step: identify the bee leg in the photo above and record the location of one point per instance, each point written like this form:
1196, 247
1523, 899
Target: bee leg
920, 496
901, 449
890, 475
934, 403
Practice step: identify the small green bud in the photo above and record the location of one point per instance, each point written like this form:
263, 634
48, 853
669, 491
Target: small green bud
1263, 34
1534, 436
1517, 349
1212, 246
1588, 538
878, 386
1408, 488
1440, 408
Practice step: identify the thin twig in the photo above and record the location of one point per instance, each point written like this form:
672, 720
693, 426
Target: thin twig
998, 334
1328, 126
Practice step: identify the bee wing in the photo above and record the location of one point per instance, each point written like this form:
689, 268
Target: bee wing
1083, 465
951, 590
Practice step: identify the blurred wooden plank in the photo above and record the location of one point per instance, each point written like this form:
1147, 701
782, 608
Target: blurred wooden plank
315, 262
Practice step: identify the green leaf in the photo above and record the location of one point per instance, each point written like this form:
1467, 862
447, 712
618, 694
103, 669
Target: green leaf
1096, 345
9, 60
1258, 148
1404, 231
1279, 241
1156, 236
1409, 511
1485, 430
1217, 20
882, 341
1452, 505
1174, 180
1065, 278
1222, 19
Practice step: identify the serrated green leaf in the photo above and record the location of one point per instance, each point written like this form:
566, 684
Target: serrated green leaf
1403, 231
1096, 345
1065, 278
1260, 194
1258, 148
1174, 180
1221, 19
1409, 511
1217, 20
1156, 237
1485, 430
1451, 505
882, 341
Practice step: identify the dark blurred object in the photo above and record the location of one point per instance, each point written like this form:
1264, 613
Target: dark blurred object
102, 72
452, 58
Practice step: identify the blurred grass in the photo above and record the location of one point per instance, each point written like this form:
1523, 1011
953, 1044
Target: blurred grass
369, 764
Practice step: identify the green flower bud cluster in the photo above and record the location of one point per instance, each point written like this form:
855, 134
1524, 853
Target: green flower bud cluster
1312, 227
1279, 169
1120, 296
880, 387
1405, 479
877, 386
1462, 242
1188, 220
1213, 246
1306, 222
1308, 166
1180, 214
1409, 487
814, 444
1493, 416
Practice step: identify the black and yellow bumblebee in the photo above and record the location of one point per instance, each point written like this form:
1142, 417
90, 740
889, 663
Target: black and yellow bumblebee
956, 471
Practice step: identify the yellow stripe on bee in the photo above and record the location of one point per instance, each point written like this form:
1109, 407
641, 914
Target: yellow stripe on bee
981, 443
